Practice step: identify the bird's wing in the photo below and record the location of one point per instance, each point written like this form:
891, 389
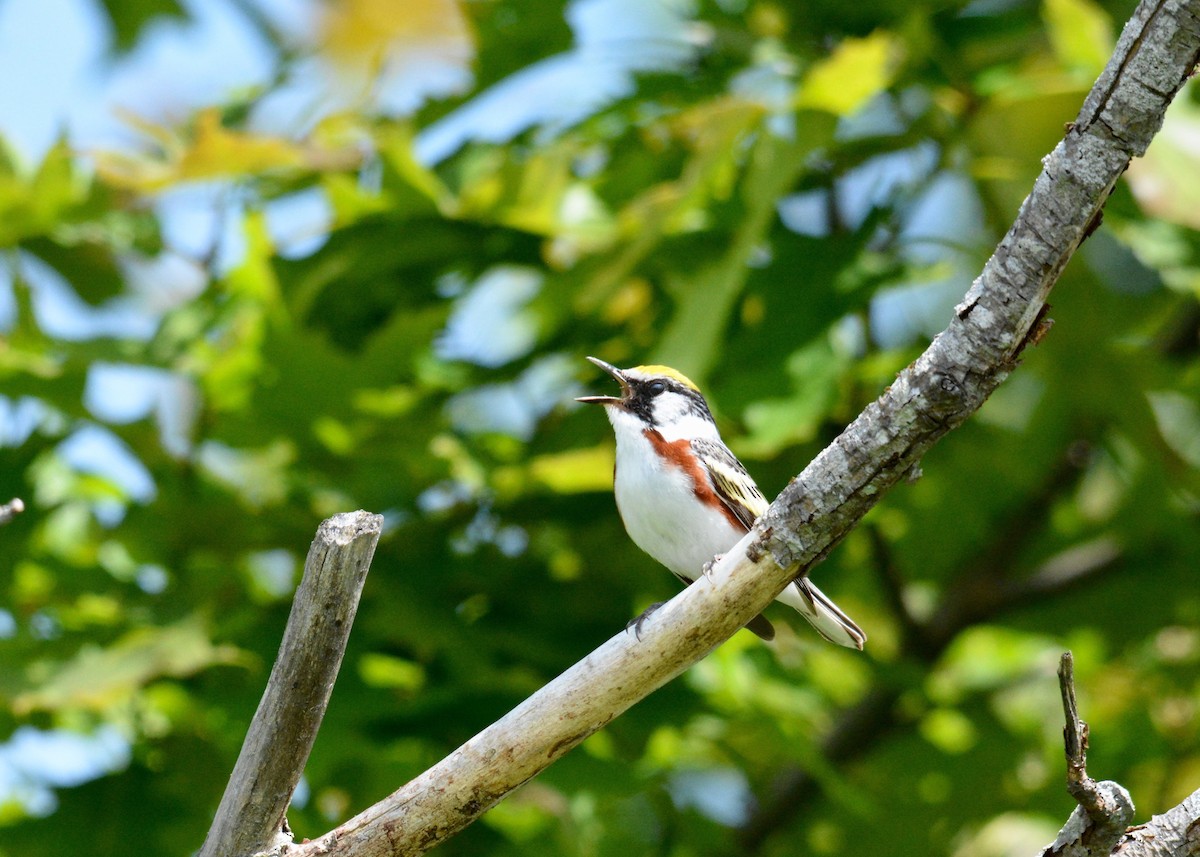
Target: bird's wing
731, 481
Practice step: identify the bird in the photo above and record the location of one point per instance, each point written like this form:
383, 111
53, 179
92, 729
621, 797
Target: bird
684, 498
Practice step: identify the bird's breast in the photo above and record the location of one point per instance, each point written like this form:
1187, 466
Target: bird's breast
668, 504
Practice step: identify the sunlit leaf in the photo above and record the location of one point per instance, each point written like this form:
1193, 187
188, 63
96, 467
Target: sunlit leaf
429, 48
357, 27
857, 70
33, 205
379, 670
209, 150
948, 730
575, 471
1081, 34
539, 194
259, 477
778, 421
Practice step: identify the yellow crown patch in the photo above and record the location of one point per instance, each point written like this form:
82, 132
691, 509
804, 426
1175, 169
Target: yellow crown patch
667, 372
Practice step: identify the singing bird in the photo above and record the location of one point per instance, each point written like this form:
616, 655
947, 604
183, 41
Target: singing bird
684, 497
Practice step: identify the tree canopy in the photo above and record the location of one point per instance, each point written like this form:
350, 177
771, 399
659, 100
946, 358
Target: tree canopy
279, 260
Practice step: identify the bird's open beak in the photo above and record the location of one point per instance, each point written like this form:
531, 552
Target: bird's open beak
608, 400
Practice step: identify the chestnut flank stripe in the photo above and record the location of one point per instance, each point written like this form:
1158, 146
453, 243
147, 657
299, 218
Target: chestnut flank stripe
679, 453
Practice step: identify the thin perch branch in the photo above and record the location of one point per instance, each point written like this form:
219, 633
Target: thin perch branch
454, 792
251, 817
1075, 738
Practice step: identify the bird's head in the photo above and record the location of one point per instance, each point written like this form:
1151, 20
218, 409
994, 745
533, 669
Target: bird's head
656, 397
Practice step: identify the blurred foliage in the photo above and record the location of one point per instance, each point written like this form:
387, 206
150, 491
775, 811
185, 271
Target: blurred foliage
785, 207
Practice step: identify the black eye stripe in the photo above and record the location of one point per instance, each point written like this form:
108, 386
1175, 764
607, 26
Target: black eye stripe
645, 392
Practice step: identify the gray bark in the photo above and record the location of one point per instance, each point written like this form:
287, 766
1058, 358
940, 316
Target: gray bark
1099, 826
1174, 833
1105, 808
251, 816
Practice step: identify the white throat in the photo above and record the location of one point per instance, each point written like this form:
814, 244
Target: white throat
684, 425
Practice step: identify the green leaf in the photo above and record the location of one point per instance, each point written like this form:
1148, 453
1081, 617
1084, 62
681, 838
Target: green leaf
778, 422
1081, 34
856, 71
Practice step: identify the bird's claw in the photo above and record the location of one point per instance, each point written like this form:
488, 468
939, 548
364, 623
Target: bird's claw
636, 622
708, 567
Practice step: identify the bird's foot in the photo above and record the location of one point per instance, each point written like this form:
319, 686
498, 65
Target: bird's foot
708, 567
636, 623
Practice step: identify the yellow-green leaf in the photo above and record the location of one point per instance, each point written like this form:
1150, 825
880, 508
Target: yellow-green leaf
380, 670
856, 71
576, 471
1081, 34
209, 150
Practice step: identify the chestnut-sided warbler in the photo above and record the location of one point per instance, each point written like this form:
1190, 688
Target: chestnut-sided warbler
684, 497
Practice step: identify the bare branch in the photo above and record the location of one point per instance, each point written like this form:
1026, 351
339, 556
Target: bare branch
251, 817
1075, 733
1099, 825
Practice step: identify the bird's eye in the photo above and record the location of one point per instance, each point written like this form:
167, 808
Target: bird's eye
655, 388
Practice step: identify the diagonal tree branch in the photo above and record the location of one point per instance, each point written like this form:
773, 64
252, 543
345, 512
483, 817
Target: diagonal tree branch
1000, 315
1004, 309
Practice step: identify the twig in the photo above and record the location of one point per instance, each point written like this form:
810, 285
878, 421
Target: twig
1075, 739
251, 817
1105, 808
11, 509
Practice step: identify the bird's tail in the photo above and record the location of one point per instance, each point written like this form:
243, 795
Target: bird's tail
825, 616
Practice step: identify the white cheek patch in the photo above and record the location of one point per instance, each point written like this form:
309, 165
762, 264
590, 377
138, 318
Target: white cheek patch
674, 417
668, 408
